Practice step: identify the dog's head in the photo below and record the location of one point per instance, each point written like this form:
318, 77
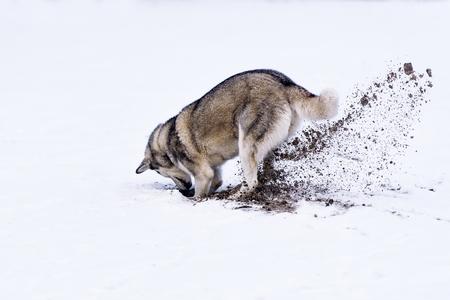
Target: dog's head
156, 158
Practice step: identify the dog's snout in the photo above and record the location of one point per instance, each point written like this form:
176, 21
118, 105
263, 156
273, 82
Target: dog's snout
186, 184
188, 193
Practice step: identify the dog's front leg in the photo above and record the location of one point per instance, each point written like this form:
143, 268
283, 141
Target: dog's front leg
216, 181
203, 181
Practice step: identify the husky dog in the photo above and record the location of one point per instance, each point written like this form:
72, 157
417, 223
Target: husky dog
247, 114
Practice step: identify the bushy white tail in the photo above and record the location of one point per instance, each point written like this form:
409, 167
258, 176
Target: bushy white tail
324, 106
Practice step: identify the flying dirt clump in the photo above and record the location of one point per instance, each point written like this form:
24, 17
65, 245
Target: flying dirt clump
357, 153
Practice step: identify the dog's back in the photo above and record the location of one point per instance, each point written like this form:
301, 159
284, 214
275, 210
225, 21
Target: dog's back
258, 98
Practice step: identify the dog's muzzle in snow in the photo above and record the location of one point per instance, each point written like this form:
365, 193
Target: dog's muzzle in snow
185, 191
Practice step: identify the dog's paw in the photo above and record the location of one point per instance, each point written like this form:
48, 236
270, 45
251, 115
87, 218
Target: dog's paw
188, 193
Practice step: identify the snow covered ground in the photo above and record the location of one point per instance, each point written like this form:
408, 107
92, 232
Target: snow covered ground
82, 84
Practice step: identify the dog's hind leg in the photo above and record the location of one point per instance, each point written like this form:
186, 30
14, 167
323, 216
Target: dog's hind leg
247, 154
258, 137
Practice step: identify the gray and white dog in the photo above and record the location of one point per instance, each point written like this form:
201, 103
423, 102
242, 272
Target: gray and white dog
247, 114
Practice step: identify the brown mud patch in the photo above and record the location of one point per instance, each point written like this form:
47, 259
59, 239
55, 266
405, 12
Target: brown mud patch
358, 153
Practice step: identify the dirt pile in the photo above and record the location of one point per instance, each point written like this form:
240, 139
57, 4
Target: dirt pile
357, 153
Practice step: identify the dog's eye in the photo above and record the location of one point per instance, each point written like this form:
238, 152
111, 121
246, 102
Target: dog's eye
164, 161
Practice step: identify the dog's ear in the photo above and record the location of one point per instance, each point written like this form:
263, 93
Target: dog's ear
144, 166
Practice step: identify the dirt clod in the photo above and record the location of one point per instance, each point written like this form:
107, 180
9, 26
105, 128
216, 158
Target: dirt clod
364, 100
408, 68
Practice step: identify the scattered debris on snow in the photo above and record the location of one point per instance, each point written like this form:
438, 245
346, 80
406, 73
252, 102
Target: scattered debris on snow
358, 153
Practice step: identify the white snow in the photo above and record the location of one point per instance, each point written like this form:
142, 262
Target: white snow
83, 83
